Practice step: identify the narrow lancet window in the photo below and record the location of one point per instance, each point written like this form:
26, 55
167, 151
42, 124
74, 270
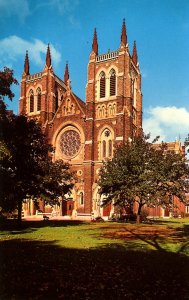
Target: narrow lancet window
102, 85
31, 101
38, 99
112, 83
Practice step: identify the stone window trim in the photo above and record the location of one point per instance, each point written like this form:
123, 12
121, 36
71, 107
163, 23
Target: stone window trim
56, 140
106, 142
35, 91
70, 143
81, 198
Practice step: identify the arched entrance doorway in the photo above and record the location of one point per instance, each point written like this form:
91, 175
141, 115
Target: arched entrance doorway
98, 209
68, 204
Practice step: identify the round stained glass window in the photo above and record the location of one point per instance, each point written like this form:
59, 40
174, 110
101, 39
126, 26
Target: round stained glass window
70, 142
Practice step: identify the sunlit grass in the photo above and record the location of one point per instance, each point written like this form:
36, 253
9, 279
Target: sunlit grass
68, 260
164, 235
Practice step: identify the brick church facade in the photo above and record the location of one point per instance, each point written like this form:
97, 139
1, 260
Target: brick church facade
86, 133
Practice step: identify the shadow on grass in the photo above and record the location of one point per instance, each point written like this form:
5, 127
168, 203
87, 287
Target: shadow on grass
29, 226
43, 270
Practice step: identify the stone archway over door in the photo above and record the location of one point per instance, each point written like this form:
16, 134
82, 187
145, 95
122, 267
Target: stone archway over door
67, 207
68, 204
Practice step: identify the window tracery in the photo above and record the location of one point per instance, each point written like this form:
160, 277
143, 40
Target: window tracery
106, 110
106, 142
69, 108
70, 142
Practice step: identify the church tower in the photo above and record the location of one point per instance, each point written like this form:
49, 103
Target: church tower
113, 105
40, 92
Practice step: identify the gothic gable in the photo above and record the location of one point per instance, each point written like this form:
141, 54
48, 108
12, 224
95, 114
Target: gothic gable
70, 105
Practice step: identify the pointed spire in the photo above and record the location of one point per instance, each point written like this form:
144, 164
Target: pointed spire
66, 74
26, 64
95, 43
48, 57
135, 56
123, 34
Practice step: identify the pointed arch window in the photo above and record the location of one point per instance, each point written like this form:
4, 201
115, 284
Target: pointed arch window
31, 101
102, 85
56, 101
112, 83
104, 149
110, 148
38, 99
81, 198
106, 144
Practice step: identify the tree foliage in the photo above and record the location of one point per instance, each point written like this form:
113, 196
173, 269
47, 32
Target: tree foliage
6, 80
28, 171
26, 166
144, 173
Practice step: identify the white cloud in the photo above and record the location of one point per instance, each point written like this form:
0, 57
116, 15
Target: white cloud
64, 6
23, 8
14, 47
61, 6
169, 122
19, 8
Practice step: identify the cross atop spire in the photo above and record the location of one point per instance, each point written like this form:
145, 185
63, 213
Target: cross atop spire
48, 57
135, 56
66, 73
26, 64
123, 34
95, 43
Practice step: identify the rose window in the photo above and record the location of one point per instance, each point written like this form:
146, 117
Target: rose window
70, 142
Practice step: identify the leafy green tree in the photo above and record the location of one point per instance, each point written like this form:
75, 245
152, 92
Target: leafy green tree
142, 173
29, 171
26, 166
6, 80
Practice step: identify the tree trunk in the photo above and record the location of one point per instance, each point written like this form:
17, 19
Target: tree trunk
19, 211
138, 220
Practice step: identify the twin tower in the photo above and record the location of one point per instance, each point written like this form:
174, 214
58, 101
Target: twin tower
86, 133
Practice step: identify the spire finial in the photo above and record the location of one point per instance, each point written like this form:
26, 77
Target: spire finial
95, 43
66, 73
26, 64
123, 34
135, 56
48, 57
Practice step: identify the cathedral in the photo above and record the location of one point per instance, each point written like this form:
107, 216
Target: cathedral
85, 133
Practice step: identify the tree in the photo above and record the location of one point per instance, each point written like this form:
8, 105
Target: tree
142, 173
29, 171
6, 80
26, 166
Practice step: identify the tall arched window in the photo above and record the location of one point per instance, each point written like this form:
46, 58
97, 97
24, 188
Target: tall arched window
104, 149
110, 148
102, 85
38, 99
106, 139
56, 101
31, 101
81, 199
112, 83
135, 93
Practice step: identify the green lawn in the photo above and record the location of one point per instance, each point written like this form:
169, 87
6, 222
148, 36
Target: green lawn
75, 260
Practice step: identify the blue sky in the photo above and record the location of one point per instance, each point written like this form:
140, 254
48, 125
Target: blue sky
160, 28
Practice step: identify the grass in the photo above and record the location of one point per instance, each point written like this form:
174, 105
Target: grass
75, 260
